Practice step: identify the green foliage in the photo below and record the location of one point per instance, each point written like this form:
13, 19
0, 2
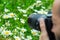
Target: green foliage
14, 15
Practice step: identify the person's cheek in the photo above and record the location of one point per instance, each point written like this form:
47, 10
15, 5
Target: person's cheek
53, 29
56, 30
56, 23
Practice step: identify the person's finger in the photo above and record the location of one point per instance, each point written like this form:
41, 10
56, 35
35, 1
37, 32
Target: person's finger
42, 25
44, 37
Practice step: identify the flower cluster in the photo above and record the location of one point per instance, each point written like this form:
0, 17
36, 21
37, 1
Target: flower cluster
7, 33
14, 15
9, 15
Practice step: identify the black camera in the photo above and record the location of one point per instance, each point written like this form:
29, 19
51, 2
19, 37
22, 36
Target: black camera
33, 21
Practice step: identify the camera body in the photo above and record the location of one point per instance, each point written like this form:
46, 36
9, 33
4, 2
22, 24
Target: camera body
34, 19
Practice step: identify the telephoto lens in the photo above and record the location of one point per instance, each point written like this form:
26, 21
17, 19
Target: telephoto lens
34, 19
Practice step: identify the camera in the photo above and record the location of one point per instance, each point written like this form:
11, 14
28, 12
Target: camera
34, 19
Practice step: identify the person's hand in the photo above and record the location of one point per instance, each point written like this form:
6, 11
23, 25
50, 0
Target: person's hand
55, 20
44, 35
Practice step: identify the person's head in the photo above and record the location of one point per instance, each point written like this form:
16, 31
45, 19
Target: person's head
56, 17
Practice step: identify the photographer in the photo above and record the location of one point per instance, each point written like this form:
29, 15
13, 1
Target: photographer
56, 22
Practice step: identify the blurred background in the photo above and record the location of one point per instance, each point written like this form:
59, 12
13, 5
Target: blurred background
13, 18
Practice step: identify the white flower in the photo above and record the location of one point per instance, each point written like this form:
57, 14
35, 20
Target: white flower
42, 12
21, 34
11, 15
38, 1
22, 21
18, 7
23, 30
43, 7
9, 39
6, 33
7, 24
6, 10
22, 10
22, 37
26, 39
16, 18
1, 30
29, 37
15, 30
31, 7
18, 28
34, 13
3, 25
34, 32
5, 16
25, 15
35, 10
17, 38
